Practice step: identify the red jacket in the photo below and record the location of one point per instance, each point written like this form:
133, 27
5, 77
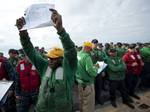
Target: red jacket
3, 72
139, 60
130, 58
29, 77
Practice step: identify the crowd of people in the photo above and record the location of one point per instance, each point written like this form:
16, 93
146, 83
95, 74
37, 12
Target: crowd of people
44, 81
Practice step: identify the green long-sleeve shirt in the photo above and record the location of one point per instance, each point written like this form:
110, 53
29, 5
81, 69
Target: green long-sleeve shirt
145, 52
116, 68
86, 72
60, 99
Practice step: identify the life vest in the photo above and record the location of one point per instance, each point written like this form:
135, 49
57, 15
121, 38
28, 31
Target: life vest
139, 61
29, 77
3, 72
130, 58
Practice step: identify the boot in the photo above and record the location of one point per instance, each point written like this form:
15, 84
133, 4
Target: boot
113, 103
129, 105
135, 96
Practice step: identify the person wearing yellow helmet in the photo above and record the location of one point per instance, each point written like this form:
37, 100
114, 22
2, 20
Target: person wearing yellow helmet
57, 72
55, 52
55, 55
86, 72
87, 46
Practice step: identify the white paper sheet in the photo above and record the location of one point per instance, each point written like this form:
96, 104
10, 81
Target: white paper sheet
102, 66
37, 16
4, 86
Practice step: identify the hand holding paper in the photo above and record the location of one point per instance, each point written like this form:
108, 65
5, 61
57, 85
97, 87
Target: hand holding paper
20, 23
57, 20
102, 66
97, 65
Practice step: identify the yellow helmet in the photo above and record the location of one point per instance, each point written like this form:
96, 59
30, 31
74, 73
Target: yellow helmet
88, 44
55, 52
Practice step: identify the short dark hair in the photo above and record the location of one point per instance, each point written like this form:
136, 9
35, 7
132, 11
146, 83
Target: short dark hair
119, 44
132, 46
112, 50
94, 41
11, 51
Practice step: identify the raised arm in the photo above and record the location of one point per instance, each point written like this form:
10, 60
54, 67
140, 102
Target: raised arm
70, 52
35, 57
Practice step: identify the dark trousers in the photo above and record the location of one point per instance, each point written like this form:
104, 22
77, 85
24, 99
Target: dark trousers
10, 104
24, 104
145, 75
98, 88
146, 68
132, 81
118, 85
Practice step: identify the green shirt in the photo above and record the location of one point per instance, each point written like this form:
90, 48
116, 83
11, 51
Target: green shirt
86, 72
145, 52
60, 100
116, 68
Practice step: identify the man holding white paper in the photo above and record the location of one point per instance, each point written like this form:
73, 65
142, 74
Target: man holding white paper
57, 72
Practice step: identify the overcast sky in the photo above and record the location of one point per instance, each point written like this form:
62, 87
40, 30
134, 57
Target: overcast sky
84, 20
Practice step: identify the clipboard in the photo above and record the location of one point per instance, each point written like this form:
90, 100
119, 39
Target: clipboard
4, 87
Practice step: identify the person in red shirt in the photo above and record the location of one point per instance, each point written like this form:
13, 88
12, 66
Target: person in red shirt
27, 86
134, 68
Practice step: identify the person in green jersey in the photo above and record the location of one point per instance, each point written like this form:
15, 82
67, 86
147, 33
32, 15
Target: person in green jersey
57, 72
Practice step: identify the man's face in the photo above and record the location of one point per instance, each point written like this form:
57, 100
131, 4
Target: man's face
88, 49
55, 62
113, 54
94, 45
107, 46
10, 54
131, 50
